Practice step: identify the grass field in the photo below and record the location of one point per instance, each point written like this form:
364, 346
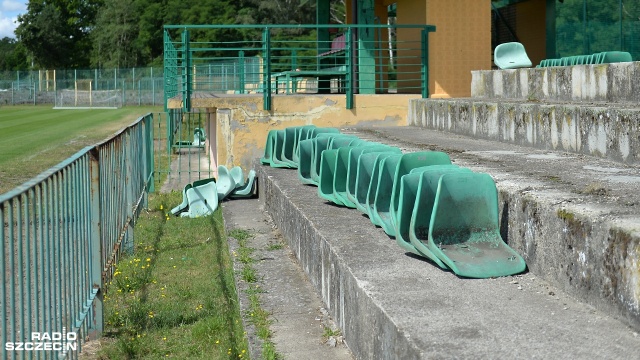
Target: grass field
34, 138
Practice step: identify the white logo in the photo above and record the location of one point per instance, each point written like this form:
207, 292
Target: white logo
43, 341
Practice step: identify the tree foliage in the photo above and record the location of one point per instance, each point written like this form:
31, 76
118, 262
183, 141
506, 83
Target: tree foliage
12, 55
129, 33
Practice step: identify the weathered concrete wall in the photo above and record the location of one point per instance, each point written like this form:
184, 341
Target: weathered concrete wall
243, 125
608, 132
612, 83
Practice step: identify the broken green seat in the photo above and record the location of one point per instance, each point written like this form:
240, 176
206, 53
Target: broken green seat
226, 183
464, 229
184, 205
609, 57
245, 190
202, 200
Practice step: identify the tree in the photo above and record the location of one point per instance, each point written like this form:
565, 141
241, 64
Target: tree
12, 55
56, 33
114, 36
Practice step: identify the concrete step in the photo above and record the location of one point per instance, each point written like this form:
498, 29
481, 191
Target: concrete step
612, 83
574, 218
603, 130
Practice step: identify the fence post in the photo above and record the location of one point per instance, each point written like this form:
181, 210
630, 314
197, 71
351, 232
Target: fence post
425, 63
349, 77
129, 196
96, 322
242, 80
266, 69
186, 72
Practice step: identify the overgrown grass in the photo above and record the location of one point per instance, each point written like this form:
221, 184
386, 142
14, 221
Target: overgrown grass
34, 138
255, 314
175, 296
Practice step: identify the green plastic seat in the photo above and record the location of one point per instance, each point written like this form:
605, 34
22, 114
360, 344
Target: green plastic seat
226, 184
384, 185
328, 163
511, 55
387, 201
289, 144
184, 205
245, 190
346, 163
303, 133
202, 200
237, 175
423, 208
305, 155
464, 228
268, 148
277, 159
367, 179
354, 167
609, 57
408, 196
320, 144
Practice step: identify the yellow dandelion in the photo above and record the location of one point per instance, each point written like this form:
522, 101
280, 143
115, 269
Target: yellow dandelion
164, 338
161, 207
148, 259
217, 341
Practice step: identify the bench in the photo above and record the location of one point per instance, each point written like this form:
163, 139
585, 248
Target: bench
331, 65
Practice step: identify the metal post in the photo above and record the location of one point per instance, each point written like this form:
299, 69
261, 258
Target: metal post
349, 63
96, 321
266, 69
242, 76
424, 39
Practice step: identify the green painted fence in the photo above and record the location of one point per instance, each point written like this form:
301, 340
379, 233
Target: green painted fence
62, 233
295, 59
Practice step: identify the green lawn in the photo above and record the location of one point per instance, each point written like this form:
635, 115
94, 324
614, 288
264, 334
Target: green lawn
34, 138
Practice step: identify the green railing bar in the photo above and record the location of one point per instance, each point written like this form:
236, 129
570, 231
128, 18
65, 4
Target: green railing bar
266, 77
349, 78
430, 28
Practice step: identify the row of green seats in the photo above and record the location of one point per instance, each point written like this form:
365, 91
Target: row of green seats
605, 57
433, 208
201, 197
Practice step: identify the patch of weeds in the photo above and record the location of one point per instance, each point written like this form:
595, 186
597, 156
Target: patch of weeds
255, 314
275, 246
595, 188
565, 215
329, 332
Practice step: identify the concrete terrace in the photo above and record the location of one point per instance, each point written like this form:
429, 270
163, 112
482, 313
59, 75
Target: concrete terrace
568, 180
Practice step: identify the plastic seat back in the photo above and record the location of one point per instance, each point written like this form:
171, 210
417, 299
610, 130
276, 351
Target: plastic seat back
511, 55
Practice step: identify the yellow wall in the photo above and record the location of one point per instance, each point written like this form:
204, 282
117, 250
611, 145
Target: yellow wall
241, 126
531, 28
461, 43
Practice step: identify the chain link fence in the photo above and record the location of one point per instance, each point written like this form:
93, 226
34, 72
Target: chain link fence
83, 88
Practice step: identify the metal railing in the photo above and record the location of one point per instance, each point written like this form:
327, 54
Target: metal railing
286, 59
62, 232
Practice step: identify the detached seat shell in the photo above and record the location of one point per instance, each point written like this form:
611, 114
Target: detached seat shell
511, 55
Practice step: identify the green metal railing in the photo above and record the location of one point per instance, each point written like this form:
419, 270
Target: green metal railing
62, 232
286, 59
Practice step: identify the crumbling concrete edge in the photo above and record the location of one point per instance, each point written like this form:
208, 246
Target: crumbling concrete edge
587, 252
